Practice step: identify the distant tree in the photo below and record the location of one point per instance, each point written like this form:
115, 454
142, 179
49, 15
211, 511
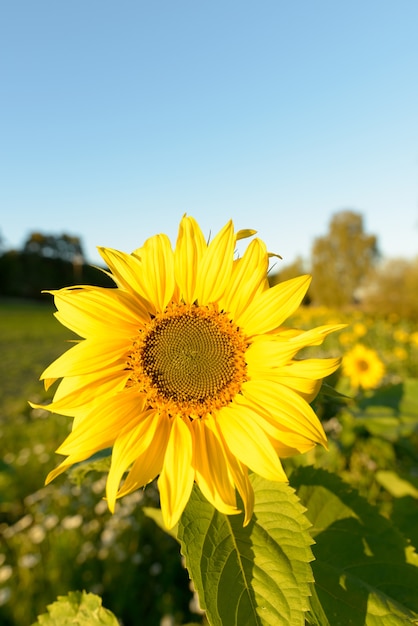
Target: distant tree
65, 247
392, 287
46, 262
341, 260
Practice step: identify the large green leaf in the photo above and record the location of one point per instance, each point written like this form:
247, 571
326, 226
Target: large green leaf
397, 486
390, 412
77, 609
255, 575
365, 572
404, 490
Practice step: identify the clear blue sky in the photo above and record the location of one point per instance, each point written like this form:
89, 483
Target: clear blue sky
118, 117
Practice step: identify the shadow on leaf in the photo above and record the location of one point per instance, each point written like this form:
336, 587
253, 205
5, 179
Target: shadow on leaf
361, 571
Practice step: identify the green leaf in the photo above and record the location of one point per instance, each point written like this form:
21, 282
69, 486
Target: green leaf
409, 402
254, 575
365, 573
390, 412
77, 609
405, 515
398, 487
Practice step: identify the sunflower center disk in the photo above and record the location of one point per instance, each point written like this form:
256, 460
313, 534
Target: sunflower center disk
192, 359
363, 365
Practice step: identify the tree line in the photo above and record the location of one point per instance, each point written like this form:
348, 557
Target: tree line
46, 262
345, 264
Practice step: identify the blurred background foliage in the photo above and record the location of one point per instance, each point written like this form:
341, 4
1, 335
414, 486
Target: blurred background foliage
62, 538
46, 262
348, 270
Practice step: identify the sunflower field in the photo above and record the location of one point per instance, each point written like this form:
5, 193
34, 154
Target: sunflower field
360, 495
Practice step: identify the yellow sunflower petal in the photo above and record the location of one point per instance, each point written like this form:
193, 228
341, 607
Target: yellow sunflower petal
130, 444
312, 368
278, 349
216, 266
244, 233
97, 311
304, 376
94, 435
312, 337
270, 308
306, 388
127, 271
76, 391
248, 274
267, 352
285, 441
157, 261
249, 442
239, 473
89, 356
150, 462
292, 444
176, 479
48, 382
211, 467
103, 426
65, 465
188, 253
239, 476
286, 407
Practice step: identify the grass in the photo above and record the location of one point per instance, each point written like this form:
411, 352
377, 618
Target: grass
30, 338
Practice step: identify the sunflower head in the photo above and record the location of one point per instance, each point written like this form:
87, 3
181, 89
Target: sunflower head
187, 371
363, 367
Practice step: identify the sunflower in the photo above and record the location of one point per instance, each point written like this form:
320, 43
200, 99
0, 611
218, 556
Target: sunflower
186, 371
363, 367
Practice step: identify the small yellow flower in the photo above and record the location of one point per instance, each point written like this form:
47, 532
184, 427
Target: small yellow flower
400, 353
413, 338
346, 338
401, 335
360, 329
186, 371
363, 367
